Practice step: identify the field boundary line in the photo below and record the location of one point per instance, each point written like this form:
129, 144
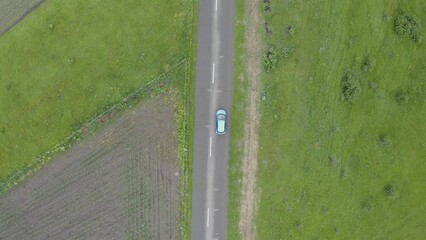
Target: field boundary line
183, 127
24, 172
28, 11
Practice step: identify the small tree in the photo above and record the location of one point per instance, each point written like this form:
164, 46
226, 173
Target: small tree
351, 88
269, 60
391, 191
402, 97
368, 64
408, 25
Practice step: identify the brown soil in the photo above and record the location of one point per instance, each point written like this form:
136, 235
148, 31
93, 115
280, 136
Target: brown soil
121, 183
13, 11
248, 194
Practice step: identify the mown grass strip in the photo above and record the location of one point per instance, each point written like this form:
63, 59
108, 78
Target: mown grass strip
238, 120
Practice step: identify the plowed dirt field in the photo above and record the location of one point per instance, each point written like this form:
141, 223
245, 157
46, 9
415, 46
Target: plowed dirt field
121, 183
12, 11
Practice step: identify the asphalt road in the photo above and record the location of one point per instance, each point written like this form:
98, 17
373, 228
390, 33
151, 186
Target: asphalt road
214, 86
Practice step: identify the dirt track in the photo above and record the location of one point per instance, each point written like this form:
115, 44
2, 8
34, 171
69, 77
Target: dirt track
122, 183
249, 196
12, 11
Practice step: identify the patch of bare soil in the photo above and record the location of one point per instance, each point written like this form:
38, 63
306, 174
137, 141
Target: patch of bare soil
13, 11
121, 183
248, 193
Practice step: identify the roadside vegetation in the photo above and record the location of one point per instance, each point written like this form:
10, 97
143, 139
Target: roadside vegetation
238, 122
342, 134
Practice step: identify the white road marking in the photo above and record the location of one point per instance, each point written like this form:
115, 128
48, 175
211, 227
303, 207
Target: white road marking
210, 149
214, 90
214, 66
208, 217
216, 5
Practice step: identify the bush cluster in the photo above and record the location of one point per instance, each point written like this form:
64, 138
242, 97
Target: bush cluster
368, 64
269, 60
351, 87
408, 25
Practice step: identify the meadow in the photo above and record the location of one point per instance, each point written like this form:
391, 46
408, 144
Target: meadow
66, 62
343, 135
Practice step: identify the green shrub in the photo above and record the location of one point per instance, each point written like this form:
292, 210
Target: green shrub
289, 30
351, 87
408, 25
385, 140
402, 97
368, 64
269, 60
286, 51
391, 191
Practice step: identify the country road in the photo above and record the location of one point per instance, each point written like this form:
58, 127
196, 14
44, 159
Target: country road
214, 86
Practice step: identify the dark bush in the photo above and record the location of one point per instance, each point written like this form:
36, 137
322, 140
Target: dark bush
268, 28
373, 85
402, 97
368, 64
289, 30
408, 25
391, 191
351, 87
385, 140
286, 51
269, 60
268, 9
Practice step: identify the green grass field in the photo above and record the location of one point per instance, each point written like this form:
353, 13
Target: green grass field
68, 60
343, 132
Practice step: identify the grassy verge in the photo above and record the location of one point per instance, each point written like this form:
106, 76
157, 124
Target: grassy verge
190, 119
238, 119
69, 61
342, 132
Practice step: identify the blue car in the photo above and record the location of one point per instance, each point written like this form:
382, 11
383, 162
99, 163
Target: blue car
220, 121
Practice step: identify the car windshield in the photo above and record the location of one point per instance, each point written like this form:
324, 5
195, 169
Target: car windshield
221, 117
